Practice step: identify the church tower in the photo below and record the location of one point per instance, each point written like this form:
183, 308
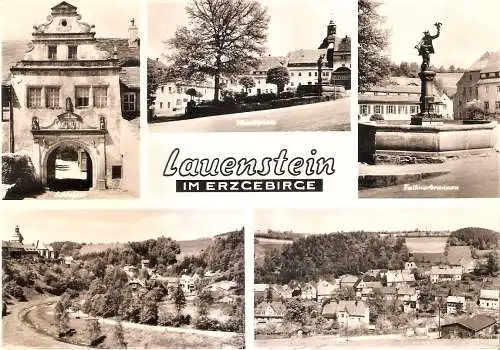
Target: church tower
329, 42
17, 237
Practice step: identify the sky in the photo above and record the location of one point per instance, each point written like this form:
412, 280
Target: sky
469, 29
294, 24
108, 226
110, 17
378, 218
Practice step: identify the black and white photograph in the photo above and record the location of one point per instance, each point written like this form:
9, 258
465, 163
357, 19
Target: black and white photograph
143, 279
404, 277
429, 99
249, 65
70, 99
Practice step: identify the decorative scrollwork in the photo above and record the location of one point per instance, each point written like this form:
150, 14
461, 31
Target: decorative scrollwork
35, 125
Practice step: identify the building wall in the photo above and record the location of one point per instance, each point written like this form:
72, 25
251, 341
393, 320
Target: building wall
489, 92
67, 81
466, 91
171, 98
489, 303
390, 111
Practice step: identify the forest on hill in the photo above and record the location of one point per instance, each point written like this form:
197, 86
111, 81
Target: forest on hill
476, 237
331, 255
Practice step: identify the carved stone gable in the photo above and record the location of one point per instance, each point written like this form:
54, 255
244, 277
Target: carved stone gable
63, 8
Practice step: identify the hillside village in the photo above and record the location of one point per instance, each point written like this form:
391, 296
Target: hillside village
151, 283
445, 285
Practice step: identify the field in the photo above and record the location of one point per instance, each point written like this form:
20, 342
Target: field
100, 247
193, 247
262, 245
426, 244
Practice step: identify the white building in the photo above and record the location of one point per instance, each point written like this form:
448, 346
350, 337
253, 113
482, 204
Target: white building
489, 298
455, 304
445, 273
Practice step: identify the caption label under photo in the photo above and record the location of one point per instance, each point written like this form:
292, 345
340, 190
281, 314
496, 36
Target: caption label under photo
262, 185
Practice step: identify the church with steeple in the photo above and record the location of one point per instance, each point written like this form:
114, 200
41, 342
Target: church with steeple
336, 61
16, 248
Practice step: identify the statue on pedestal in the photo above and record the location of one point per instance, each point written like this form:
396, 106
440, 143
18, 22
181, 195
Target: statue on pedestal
425, 47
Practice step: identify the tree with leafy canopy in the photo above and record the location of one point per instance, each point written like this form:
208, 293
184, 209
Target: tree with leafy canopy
278, 76
247, 82
225, 38
119, 336
61, 316
191, 92
373, 65
179, 299
295, 311
492, 264
93, 330
149, 310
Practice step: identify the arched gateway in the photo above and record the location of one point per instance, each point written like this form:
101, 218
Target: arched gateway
67, 105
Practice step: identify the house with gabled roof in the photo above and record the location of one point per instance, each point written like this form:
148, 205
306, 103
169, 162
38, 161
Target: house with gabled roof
469, 327
445, 273
348, 281
325, 289
489, 298
349, 313
266, 312
399, 278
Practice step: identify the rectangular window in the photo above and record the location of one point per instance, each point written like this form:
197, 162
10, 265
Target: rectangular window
34, 97
100, 94
178, 102
52, 52
498, 88
310, 74
497, 104
82, 94
71, 52
402, 109
169, 89
161, 104
116, 172
168, 104
364, 109
377, 109
129, 102
291, 84
486, 105
413, 109
390, 109
300, 74
291, 74
51, 97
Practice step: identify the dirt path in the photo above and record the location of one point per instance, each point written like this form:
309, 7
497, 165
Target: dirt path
18, 335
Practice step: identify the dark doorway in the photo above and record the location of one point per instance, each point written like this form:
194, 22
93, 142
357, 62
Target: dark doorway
69, 168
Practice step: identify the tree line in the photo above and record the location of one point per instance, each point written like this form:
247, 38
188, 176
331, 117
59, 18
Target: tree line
331, 255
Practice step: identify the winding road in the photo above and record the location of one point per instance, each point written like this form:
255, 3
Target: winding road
18, 335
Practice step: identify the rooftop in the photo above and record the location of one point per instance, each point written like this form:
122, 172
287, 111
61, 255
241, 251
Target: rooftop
475, 323
352, 307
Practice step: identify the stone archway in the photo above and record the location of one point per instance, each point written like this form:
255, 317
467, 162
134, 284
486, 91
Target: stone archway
87, 161
342, 76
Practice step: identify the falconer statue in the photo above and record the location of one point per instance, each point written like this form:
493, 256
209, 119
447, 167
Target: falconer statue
425, 47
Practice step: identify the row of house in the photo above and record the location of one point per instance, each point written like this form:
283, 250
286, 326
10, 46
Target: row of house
348, 313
